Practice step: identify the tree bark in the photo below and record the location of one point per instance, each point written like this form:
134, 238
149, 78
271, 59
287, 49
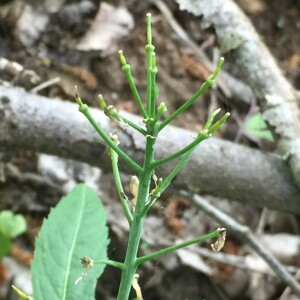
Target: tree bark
278, 100
217, 167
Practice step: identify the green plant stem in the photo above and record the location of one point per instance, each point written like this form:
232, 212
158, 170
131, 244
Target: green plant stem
130, 265
110, 262
201, 136
169, 178
130, 259
118, 182
149, 50
127, 71
176, 170
21, 294
170, 249
134, 126
153, 72
113, 114
85, 110
211, 119
218, 124
150, 60
188, 103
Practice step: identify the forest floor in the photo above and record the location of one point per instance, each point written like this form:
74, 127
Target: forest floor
66, 52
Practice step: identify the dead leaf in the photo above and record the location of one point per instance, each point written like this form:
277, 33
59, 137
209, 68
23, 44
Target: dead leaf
252, 6
194, 67
292, 62
220, 242
84, 76
110, 24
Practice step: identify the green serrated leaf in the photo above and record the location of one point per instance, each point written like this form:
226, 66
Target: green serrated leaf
76, 227
5, 244
257, 126
11, 225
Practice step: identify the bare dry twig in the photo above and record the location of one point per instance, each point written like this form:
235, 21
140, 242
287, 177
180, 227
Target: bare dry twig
246, 236
230, 86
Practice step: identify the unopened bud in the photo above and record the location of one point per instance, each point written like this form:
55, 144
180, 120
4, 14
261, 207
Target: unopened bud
102, 102
134, 188
162, 108
122, 58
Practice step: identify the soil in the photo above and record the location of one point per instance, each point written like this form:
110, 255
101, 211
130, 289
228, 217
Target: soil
278, 23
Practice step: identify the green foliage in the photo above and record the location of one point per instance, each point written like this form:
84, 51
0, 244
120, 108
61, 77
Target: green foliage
5, 244
257, 126
76, 227
143, 198
11, 225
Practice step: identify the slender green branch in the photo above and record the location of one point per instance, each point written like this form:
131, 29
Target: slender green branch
149, 30
149, 59
185, 156
202, 135
176, 170
137, 223
188, 103
127, 71
152, 199
149, 50
211, 119
145, 258
134, 126
123, 199
113, 114
166, 182
218, 124
21, 294
83, 108
154, 88
153, 196
110, 262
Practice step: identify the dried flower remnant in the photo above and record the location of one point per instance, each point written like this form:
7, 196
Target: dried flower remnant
134, 188
219, 244
137, 287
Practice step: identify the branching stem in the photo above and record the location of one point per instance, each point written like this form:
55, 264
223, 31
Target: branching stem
83, 108
188, 103
145, 258
140, 187
123, 199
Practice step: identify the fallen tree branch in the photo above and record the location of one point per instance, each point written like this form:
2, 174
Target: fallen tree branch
217, 167
276, 97
246, 236
231, 87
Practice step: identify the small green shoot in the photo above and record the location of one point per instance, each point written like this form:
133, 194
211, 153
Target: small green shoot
11, 226
256, 126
